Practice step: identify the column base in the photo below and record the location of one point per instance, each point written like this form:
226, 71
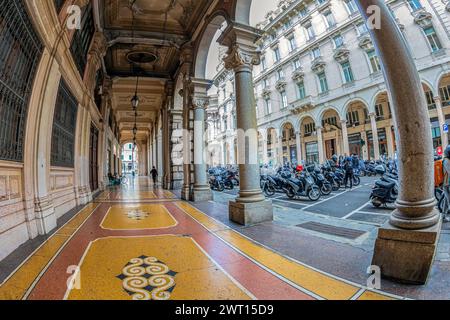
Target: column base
186, 193
45, 215
406, 255
202, 194
251, 213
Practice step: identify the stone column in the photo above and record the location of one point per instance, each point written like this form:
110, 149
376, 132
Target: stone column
250, 207
320, 145
390, 142
265, 159
345, 137
376, 143
441, 117
364, 148
406, 245
202, 191
168, 178
298, 140
280, 149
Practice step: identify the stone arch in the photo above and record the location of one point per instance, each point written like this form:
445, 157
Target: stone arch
443, 76
354, 101
214, 23
302, 118
327, 110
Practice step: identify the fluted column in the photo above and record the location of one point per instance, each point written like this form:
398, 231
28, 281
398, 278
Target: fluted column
298, 140
441, 117
265, 159
202, 191
376, 143
320, 145
280, 149
345, 137
250, 206
405, 246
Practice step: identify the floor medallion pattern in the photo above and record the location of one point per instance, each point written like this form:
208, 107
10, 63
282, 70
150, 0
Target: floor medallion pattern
147, 278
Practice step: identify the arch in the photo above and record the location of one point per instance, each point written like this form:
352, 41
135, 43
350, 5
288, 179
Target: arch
328, 109
354, 101
376, 95
442, 75
426, 83
302, 118
214, 23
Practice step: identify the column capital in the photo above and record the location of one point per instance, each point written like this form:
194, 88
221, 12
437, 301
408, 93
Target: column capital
238, 57
242, 51
437, 99
344, 121
200, 102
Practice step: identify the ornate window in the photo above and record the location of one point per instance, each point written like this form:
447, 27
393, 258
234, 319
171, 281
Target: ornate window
20, 53
82, 39
433, 39
64, 126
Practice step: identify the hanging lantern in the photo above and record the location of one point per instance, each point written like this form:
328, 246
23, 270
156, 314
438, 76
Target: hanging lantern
135, 102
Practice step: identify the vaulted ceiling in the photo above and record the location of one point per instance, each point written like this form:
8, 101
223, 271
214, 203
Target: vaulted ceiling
149, 29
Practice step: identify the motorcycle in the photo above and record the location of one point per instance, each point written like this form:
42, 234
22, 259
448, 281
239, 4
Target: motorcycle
385, 191
320, 180
216, 183
303, 185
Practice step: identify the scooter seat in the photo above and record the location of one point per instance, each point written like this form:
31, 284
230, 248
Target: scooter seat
386, 185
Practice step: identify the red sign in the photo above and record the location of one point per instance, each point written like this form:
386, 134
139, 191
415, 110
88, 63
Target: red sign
439, 151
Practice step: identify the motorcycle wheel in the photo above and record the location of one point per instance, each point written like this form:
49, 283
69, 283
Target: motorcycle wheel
356, 181
336, 185
376, 202
229, 185
290, 192
268, 191
326, 189
314, 193
220, 187
442, 204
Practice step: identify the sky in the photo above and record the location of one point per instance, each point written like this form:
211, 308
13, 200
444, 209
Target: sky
258, 11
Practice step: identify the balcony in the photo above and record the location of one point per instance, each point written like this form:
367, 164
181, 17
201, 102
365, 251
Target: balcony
303, 105
281, 84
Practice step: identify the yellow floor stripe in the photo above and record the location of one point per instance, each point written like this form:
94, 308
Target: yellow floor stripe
15, 287
369, 295
325, 286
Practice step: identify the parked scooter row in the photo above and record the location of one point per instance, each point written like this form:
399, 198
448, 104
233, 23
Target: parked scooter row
300, 184
374, 168
221, 179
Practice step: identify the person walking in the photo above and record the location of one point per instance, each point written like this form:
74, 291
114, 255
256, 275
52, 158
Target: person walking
348, 168
154, 174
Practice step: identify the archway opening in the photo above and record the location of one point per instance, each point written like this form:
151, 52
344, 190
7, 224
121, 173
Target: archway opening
310, 145
289, 152
130, 159
360, 137
332, 133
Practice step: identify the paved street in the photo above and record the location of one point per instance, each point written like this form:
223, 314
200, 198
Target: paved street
345, 216
344, 204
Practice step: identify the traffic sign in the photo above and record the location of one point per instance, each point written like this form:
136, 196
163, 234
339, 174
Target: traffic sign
445, 127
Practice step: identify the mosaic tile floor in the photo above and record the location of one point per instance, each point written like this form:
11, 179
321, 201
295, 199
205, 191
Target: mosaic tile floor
144, 244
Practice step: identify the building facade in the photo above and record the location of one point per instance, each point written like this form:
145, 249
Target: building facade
319, 88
